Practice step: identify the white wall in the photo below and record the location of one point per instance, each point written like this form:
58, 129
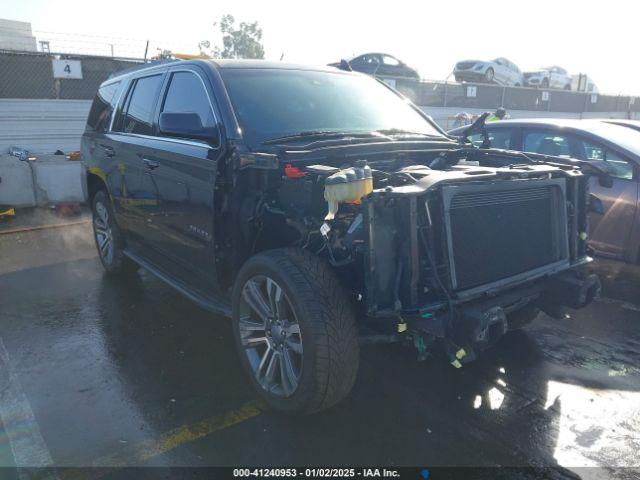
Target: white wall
42, 126
15, 35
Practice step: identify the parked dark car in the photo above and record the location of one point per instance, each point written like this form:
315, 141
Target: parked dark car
616, 231
380, 64
317, 208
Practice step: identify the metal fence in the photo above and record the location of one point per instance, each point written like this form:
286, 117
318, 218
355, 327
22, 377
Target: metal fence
32, 75
489, 97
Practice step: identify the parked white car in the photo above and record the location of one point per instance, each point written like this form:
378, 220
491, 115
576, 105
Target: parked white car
500, 71
549, 77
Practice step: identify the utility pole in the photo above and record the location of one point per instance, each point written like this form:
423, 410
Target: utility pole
146, 49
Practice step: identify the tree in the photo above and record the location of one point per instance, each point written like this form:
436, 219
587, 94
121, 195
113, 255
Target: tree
242, 42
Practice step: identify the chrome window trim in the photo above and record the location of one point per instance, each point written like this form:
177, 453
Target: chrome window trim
125, 86
166, 91
206, 91
194, 143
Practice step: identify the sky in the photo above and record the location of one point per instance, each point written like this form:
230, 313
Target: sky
593, 37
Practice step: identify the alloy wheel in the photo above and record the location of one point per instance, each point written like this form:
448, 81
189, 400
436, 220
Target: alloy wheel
270, 336
103, 233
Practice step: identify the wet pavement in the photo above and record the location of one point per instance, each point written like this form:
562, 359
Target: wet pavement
99, 372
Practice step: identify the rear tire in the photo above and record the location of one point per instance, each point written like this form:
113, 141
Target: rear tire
108, 237
295, 331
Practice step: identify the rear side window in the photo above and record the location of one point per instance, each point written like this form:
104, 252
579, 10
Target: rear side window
186, 94
137, 112
102, 108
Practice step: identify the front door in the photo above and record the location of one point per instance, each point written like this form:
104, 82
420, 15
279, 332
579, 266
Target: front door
610, 232
182, 174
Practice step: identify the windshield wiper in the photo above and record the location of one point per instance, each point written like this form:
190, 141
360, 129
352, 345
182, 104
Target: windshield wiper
401, 131
317, 134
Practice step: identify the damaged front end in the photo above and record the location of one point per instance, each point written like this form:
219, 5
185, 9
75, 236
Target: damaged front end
453, 254
445, 255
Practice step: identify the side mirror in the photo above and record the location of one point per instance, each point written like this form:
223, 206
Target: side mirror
186, 125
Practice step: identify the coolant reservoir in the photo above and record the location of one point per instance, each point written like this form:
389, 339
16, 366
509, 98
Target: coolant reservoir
347, 186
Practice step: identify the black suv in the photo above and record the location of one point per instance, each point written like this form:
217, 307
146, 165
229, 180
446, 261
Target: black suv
319, 208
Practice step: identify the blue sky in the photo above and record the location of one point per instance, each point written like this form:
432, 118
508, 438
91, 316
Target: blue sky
592, 37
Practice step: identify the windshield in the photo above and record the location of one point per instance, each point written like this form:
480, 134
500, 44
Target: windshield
272, 103
627, 138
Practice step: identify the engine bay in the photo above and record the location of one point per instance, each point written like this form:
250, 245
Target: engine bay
409, 236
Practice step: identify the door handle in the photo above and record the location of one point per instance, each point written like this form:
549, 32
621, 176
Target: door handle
151, 164
108, 150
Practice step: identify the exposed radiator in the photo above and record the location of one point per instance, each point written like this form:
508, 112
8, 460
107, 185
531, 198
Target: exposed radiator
497, 234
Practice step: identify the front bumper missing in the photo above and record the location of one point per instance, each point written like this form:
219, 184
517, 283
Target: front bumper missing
475, 326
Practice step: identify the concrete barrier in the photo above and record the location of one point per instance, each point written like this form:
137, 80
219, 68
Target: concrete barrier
58, 180
48, 180
16, 183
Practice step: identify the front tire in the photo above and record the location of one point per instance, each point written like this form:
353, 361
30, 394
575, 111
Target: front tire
108, 237
295, 331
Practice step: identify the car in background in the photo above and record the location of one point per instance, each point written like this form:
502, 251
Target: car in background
633, 124
615, 231
379, 64
500, 71
549, 77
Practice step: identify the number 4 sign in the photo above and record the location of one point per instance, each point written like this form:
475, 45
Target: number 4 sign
67, 69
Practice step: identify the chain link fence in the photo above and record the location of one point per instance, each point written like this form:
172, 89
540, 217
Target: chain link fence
31, 75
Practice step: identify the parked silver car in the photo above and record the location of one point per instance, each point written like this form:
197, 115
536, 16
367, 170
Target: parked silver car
549, 77
500, 71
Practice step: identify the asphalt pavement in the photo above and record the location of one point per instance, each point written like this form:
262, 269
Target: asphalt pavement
97, 371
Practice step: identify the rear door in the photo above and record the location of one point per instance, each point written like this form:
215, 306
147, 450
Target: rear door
501, 74
515, 73
182, 172
126, 144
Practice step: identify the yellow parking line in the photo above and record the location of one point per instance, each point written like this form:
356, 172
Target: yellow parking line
190, 433
165, 443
